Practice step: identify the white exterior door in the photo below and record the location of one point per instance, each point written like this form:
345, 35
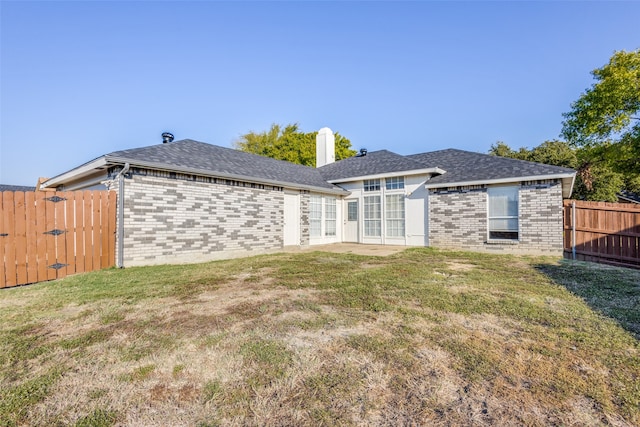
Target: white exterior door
291, 226
351, 215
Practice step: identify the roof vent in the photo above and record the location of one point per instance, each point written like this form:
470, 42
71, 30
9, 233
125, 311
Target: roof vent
167, 137
362, 153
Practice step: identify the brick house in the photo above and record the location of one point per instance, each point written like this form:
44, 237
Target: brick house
189, 201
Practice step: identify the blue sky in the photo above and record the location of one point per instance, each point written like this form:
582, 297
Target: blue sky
84, 78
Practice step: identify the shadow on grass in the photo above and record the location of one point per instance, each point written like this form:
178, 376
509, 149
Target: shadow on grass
612, 291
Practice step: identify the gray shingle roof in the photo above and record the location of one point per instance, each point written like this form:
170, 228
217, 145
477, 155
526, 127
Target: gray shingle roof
374, 163
4, 187
192, 156
466, 166
628, 196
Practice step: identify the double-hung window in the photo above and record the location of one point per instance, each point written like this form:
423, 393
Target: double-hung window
315, 216
329, 216
372, 216
394, 215
503, 213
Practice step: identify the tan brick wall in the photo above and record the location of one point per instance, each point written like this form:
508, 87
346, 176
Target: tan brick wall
170, 220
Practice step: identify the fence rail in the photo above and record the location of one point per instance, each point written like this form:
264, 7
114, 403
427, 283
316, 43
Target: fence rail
602, 232
49, 235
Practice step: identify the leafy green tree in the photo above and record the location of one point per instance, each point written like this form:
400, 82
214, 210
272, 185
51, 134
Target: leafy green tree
501, 149
605, 121
557, 153
595, 179
290, 144
597, 183
609, 109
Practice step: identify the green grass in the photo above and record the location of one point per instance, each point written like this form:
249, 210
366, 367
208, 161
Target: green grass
421, 337
98, 418
16, 400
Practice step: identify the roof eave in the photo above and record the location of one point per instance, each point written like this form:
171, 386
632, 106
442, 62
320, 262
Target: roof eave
77, 173
567, 182
204, 172
389, 175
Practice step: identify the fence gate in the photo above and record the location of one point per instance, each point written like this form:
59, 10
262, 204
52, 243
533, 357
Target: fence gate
49, 235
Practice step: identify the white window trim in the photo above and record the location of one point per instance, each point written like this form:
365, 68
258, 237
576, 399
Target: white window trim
403, 218
398, 178
324, 222
312, 218
364, 185
489, 217
383, 237
326, 218
380, 218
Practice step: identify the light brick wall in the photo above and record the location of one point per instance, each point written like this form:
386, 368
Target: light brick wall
541, 216
169, 219
304, 218
458, 219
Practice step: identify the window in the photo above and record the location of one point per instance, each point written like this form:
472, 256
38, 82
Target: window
330, 216
371, 185
372, 216
503, 213
315, 216
352, 211
395, 183
394, 214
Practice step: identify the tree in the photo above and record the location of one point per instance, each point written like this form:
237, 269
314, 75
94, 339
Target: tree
608, 109
557, 153
605, 120
501, 149
596, 182
290, 144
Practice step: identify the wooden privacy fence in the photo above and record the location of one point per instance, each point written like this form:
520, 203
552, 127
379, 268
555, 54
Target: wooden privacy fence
49, 235
602, 232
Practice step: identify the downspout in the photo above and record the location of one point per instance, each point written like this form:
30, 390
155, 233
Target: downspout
120, 178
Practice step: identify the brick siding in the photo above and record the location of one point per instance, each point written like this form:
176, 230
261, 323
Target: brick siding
458, 219
304, 218
177, 219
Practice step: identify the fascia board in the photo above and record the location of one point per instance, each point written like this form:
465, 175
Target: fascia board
568, 189
203, 172
77, 173
79, 185
389, 175
500, 180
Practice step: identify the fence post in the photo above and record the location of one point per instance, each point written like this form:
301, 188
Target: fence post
573, 229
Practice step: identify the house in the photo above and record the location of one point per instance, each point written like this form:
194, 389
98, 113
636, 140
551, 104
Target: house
189, 201
626, 196
6, 187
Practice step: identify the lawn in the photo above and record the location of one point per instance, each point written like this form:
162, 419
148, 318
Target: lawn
423, 337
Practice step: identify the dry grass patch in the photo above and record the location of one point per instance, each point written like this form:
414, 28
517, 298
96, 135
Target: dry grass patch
423, 337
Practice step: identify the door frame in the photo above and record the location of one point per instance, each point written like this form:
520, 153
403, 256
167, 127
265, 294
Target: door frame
346, 236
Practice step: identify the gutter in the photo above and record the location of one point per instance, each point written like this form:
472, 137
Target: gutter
225, 175
388, 174
120, 231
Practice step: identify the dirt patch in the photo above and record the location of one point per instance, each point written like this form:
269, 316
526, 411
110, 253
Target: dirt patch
367, 266
352, 248
459, 266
